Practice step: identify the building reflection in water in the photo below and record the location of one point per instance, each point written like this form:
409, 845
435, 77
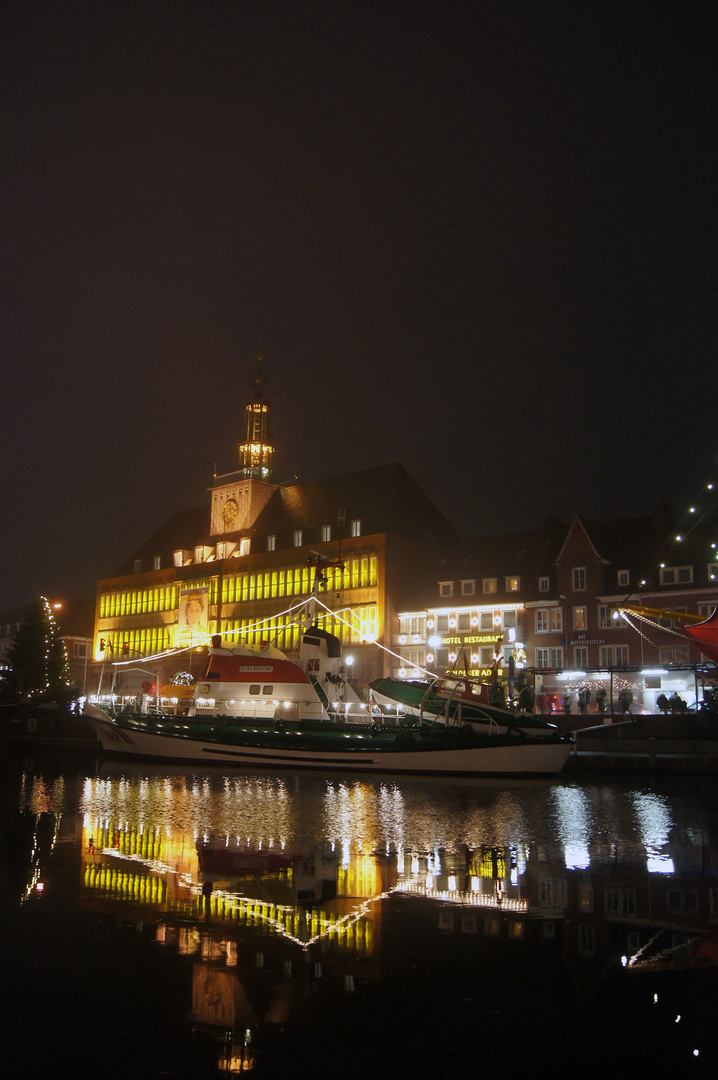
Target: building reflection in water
278, 889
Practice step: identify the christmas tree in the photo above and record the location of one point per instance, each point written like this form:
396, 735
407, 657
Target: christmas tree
38, 670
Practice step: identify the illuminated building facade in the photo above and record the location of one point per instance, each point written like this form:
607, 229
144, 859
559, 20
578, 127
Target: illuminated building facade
549, 598
241, 567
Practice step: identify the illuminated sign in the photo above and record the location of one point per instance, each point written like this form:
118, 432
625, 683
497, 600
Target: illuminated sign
473, 639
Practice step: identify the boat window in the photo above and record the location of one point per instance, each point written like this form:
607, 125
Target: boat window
212, 675
268, 690
254, 688
477, 690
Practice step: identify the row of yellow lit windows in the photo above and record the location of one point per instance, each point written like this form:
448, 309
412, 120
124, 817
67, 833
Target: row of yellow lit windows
140, 888
319, 923
130, 644
141, 601
147, 843
362, 626
357, 574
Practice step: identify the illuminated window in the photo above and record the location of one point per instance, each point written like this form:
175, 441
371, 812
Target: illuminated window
156, 562
244, 545
326, 533
624, 577
513, 584
578, 578
446, 588
580, 619
297, 538
544, 584
271, 542
676, 575
356, 527
490, 585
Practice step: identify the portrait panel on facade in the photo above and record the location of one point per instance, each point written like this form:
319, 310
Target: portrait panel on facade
193, 614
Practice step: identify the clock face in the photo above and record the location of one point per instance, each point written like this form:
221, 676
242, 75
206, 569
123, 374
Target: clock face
229, 511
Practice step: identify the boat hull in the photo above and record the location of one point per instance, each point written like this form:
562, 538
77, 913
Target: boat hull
367, 753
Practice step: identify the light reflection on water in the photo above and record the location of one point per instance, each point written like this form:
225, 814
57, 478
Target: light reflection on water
340, 886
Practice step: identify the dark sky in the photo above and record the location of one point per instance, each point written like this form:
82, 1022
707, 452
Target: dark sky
476, 238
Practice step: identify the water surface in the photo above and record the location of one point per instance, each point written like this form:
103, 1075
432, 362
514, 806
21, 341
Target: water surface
164, 922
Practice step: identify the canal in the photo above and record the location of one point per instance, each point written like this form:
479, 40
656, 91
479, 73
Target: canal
161, 922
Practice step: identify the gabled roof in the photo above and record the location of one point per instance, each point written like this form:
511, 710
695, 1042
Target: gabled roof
574, 533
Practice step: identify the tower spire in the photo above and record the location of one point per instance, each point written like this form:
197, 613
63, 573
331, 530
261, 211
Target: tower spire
256, 452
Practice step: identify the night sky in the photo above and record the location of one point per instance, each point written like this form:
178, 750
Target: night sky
475, 238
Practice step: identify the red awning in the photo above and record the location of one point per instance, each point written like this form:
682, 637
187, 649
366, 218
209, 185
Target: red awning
705, 635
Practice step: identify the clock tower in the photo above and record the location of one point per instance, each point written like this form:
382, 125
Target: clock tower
238, 498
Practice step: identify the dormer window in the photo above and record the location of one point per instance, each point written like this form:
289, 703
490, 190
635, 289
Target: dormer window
676, 575
513, 584
326, 533
271, 542
624, 577
356, 527
544, 584
446, 588
578, 579
297, 537
244, 545
468, 588
490, 585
